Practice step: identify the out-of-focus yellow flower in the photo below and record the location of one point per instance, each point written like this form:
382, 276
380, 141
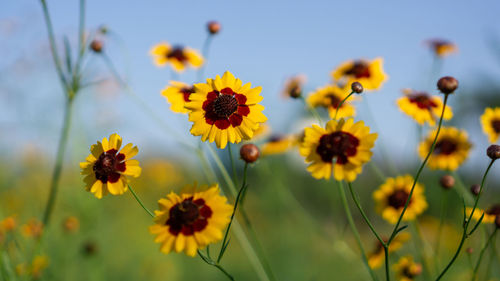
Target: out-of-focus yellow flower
392, 195
224, 110
406, 269
293, 86
369, 73
33, 228
8, 224
490, 121
21, 269
177, 94
71, 224
343, 146
442, 48
330, 98
452, 148
376, 257
262, 132
490, 214
422, 107
39, 264
179, 57
105, 168
278, 145
191, 221
162, 172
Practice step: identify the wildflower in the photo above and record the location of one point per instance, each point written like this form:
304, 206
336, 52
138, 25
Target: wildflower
33, 228
451, 150
39, 264
177, 94
179, 57
249, 152
447, 181
105, 168
262, 132
392, 195
330, 98
223, 110
493, 151
447, 85
213, 27
406, 269
490, 121
8, 224
490, 214
278, 144
422, 107
343, 145
357, 88
294, 86
71, 224
190, 221
376, 257
369, 73
442, 48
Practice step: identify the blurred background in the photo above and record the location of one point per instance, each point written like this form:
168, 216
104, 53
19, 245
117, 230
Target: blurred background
299, 220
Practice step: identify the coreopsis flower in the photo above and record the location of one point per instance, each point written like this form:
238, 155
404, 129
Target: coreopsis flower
490, 121
71, 224
422, 107
177, 94
190, 221
107, 167
278, 144
39, 264
392, 195
178, 56
452, 148
406, 269
369, 73
442, 48
376, 257
8, 224
33, 228
342, 146
224, 110
330, 98
489, 214
293, 86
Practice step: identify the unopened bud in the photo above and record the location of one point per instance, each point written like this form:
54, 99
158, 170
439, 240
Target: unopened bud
96, 46
447, 181
493, 151
447, 85
475, 188
249, 152
357, 87
213, 27
469, 250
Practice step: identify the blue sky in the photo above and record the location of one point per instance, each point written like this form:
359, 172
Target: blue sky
262, 42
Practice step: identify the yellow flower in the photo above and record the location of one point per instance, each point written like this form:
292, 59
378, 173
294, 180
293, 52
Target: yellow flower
190, 221
392, 195
442, 48
490, 121
330, 98
278, 145
8, 224
294, 86
179, 57
33, 228
345, 142
489, 215
452, 148
422, 107
376, 257
177, 94
71, 224
39, 264
369, 73
406, 269
105, 168
224, 110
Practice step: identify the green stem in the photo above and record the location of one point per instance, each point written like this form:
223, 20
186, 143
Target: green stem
478, 264
140, 202
354, 229
340, 105
56, 174
442, 214
209, 261
233, 165
386, 254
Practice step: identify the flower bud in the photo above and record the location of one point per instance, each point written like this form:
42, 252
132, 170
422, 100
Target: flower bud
469, 250
447, 181
356, 87
96, 46
447, 85
213, 27
249, 152
493, 151
475, 188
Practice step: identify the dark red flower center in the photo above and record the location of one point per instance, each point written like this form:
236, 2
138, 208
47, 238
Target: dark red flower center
407, 273
422, 100
398, 199
177, 53
494, 210
334, 100
359, 69
496, 125
188, 217
338, 144
445, 146
186, 92
225, 108
109, 165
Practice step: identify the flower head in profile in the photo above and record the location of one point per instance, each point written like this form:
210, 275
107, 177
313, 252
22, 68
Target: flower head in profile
406, 269
294, 86
422, 107
369, 73
278, 144
490, 121
177, 94
442, 48
177, 56
376, 257
224, 110
191, 220
392, 195
451, 150
490, 214
330, 97
107, 167
342, 146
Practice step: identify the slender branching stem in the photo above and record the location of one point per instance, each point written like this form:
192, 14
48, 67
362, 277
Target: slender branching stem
340, 105
140, 202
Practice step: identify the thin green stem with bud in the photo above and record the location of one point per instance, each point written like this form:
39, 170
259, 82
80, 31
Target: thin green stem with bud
140, 202
341, 103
